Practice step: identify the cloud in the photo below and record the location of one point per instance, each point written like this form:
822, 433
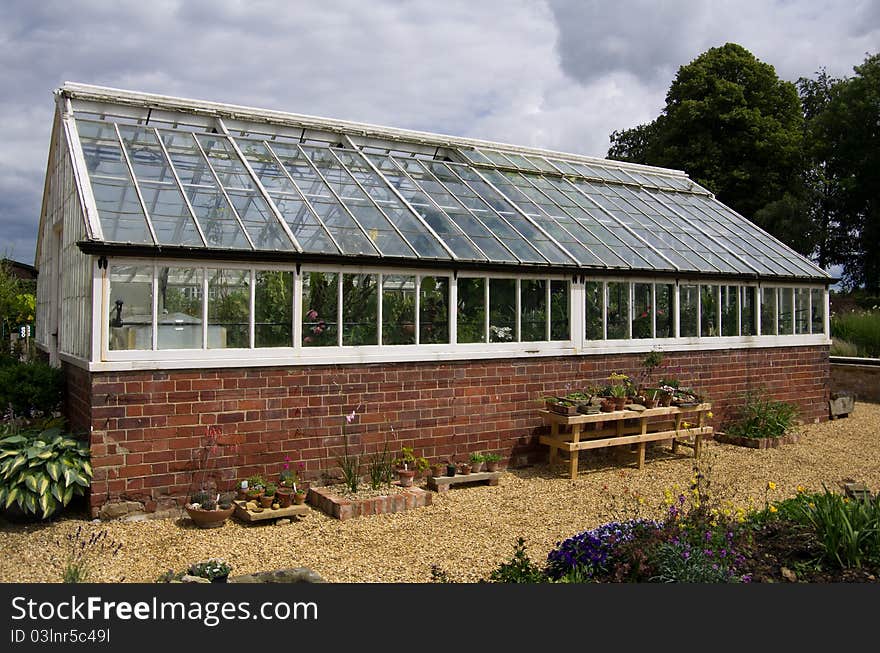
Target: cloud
559, 75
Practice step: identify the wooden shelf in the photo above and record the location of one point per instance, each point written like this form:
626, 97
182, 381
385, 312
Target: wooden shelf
442, 483
294, 510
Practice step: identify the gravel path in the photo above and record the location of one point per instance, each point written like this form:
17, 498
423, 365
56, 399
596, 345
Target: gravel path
469, 530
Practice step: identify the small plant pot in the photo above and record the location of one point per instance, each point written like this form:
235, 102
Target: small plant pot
477, 467
619, 403
491, 465
438, 470
266, 500
450, 470
300, 498
209, 518
285, 497
405, 477
254, 495
464, 469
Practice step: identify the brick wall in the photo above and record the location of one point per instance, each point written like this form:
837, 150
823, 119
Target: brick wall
149, 428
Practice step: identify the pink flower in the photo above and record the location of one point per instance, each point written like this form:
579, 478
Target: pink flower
312, 314
350, 418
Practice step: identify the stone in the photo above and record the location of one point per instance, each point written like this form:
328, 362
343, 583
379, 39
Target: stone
282, 522
290, 575
788, 575
193, 579
118, 509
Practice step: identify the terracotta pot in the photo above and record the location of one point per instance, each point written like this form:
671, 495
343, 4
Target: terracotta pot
209, 518
285, 496
491, 465
300, 498
477, 467
438, 470
619, 403
254, 495
266, 500
405, 477
464, 468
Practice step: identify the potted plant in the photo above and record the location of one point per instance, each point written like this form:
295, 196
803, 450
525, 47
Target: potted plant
619, 389
268, 497
408, 465
492, 460
299, 495
451, 468
438, 469
209, 511
477, 460
214, 569
464, 469
561, 405
255, 485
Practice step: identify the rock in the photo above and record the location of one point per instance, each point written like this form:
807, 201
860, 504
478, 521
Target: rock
788, 575
194, 579
282, 522
117, 509
291, 575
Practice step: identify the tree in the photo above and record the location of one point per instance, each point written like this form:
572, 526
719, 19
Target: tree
737, 130
848, 137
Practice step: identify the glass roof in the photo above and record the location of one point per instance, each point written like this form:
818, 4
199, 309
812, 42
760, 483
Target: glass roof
156, 185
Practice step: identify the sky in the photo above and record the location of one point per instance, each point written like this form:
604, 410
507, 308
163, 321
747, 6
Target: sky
556, 74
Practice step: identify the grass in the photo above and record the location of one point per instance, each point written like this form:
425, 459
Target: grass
858, 330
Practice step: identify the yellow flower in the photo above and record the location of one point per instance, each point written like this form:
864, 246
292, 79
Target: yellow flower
771, 485
709, 415
772, 508
685, 425
811, 504
801, 489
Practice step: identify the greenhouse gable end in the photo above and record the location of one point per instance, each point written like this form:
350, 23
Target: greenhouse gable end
264, 273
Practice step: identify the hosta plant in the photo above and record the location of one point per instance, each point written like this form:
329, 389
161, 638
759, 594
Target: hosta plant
42, 468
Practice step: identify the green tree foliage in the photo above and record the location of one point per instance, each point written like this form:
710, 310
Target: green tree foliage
17, 300
737, 130
845, 148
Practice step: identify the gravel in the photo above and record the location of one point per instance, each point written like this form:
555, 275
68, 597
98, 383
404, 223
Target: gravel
468, 530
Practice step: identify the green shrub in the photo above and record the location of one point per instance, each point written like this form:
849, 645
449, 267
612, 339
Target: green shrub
860, 328
31, 389
41, 468
519, 569
848, 529
762, 417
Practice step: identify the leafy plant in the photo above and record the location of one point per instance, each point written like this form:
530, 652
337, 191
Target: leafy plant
380, 468
409, 460
82, 550
32, 389
256, 481
848, 529
519, 569
211, 568
349, 463
477, 457
491, 457
762, 417
42, 468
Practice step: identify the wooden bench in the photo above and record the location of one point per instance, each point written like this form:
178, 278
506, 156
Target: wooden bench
442, 483
625, 428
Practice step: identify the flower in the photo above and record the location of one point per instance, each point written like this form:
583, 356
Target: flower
772, 509
801, 489
771, 485
312, 314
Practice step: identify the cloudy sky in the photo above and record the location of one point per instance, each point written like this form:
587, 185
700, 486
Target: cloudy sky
560, 74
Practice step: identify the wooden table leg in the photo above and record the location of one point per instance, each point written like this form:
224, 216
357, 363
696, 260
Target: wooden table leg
554, 433
573, 463
642, 445
675, 439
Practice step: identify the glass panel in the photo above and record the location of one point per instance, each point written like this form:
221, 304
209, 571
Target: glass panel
665, 316
786, 311
642, 311
180, 308
802, 310
768, 312
131, 307
617, 310
593, 310
259, 221
398, 309
817, 310
502, 310
222, 157
434, 310
360, 309
729, 311
748, 313
709, 311
471, 310
229, 301
119, 209
533, 320
273, 308
320, 308
560, 310
170, 216
687, 314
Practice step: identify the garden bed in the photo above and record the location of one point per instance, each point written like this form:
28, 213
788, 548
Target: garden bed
333, 502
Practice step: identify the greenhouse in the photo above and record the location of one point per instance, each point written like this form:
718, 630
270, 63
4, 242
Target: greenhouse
266, 272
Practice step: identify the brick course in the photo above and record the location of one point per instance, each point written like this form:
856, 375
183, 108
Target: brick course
148, 427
